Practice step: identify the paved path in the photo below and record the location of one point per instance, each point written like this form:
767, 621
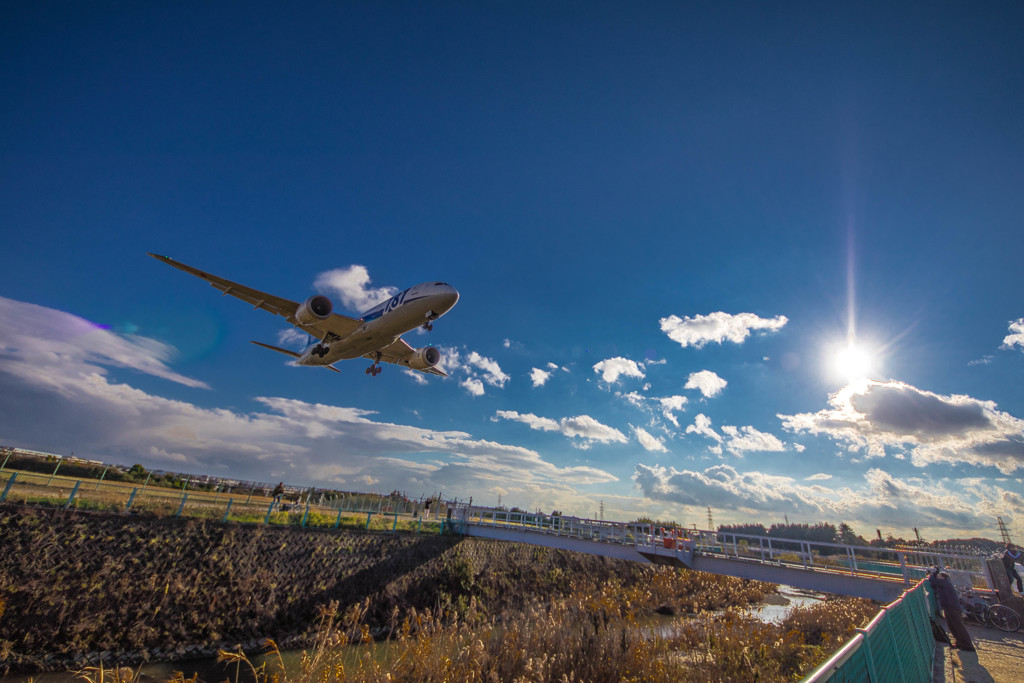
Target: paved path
999, 658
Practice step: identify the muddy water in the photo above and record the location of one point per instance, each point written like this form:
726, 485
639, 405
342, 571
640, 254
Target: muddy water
774, 609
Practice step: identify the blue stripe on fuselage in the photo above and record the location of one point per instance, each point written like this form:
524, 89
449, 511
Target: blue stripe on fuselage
393, 303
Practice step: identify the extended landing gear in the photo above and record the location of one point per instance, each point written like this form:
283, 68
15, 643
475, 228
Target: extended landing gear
375, 369
429, 325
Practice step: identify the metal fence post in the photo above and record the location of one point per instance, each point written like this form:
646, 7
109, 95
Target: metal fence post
270, 509
395, 525
101, 479
5, 462
54, 471
305, 515
368, 515
131, 499
181, 507
72, 496
337, 522
10, 483
250, 495
228, 511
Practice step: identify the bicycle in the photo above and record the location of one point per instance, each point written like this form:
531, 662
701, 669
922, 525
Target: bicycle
980, 609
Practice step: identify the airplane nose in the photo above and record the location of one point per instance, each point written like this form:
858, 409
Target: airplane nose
451, 297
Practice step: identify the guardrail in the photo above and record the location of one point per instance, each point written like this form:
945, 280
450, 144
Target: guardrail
251, 506
903, 564
897, 645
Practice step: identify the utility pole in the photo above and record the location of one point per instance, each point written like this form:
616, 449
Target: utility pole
602, 510
711, 523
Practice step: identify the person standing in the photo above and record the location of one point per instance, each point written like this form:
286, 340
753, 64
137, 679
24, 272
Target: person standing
1010, 558
949, 601
278, 492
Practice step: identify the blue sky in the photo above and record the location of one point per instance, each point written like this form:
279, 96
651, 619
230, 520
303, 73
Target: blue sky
664, 221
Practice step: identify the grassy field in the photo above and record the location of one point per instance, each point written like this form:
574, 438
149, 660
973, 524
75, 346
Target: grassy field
243, 506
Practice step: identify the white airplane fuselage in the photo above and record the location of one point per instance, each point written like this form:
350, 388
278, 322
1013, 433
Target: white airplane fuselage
383, 324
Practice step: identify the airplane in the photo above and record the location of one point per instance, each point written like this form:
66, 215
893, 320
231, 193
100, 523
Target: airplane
376, 336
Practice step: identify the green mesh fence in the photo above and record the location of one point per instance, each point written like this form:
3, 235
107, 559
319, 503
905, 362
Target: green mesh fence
896, 646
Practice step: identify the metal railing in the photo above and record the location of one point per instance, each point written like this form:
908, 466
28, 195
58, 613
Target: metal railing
882, 563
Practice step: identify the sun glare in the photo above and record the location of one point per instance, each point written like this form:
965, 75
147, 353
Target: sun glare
853, 363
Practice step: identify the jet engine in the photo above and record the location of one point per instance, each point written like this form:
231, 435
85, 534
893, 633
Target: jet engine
313, 310
425, 358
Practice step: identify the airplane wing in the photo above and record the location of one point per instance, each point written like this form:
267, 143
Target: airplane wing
337, 324
397, 351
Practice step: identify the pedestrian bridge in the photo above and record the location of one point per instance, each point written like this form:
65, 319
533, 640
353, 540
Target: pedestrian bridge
880, 574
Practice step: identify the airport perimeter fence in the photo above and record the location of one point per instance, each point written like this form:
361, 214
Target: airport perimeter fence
313, 509
897, 645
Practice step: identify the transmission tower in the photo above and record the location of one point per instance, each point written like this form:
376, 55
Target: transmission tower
1003, 531
602, 510
711, 524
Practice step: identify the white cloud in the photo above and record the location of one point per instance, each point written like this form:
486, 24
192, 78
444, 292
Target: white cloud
291, 338
351, 286
475, 368
613, 368
820, 476
671, 405
739, 440
492, 373
56, 396
1016, 336
707, 382
649, 443
702, 425
539, 377
473, 385
881, 499
416, 376
41, 345
875, 416
668, 405
717, 327
582, 427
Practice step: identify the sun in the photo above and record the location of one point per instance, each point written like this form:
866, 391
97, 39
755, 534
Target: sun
853, 363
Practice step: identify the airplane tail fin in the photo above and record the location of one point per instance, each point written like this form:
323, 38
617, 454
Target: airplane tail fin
286, 352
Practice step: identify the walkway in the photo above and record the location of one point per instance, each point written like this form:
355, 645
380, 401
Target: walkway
999, 658
880, 574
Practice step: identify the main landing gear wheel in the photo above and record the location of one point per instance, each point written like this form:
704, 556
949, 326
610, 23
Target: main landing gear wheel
428, 327
374, 370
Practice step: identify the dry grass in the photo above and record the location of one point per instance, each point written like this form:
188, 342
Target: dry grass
584, 637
